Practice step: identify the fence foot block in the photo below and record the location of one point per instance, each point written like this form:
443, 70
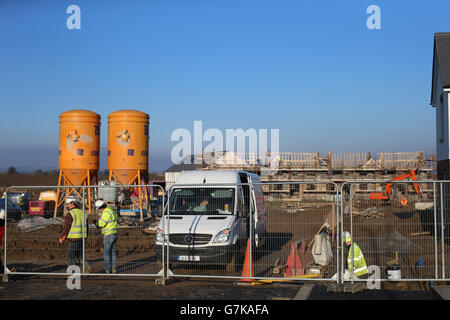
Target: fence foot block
5, 278
163, 281
346, 287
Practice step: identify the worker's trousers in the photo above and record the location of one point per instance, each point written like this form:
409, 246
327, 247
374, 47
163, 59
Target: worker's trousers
75, 253
109, 249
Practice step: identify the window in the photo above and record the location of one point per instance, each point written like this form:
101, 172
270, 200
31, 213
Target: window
202, 201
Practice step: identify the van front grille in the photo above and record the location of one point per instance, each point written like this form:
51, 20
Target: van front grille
189, 239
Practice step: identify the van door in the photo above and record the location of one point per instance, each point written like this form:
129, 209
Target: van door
258, 212
242, 214
246, 201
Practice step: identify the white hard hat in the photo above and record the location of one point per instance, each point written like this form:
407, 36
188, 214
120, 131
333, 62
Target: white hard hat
347, 236
2, 214
99, 203
70, 200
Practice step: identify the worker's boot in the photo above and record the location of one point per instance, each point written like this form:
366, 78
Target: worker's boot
88, 268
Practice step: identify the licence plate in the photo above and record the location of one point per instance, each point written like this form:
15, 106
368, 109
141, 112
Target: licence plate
188, 258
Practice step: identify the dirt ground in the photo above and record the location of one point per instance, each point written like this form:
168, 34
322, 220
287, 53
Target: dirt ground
96, 288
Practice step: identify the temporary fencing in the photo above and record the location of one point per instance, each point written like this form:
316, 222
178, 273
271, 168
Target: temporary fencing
33, 230
264, 232
400, 227
252, 231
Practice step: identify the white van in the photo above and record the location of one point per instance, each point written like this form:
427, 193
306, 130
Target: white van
207, 217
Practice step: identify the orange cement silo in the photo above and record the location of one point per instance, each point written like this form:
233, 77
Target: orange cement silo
79, 152
128, 134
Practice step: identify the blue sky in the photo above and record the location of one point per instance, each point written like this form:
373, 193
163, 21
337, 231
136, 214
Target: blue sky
309, 68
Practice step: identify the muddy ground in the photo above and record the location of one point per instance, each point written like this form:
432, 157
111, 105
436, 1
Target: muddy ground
185, 289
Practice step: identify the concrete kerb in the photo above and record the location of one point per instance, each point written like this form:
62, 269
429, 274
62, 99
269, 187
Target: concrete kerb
441, 292
304, 292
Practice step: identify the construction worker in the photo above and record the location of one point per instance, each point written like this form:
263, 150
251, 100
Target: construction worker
74, 233
355, 258
109, 225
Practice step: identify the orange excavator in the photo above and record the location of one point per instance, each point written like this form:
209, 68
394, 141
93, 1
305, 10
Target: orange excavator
388, 191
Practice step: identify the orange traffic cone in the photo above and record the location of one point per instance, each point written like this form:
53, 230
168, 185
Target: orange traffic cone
2, 233
246, 272
294, 266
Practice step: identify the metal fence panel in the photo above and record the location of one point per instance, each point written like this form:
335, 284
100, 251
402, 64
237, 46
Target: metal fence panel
285, 251
397, 227
442, 228
402, 233
31, 243
136, 237
302, 222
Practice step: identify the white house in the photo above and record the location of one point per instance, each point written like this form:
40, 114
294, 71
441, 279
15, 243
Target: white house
440, 90
230, 158
176, 170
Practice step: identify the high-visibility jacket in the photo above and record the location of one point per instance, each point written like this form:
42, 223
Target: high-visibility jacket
108, 222
359, 263
76, 230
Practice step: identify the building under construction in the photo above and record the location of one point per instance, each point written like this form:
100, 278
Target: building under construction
286, 167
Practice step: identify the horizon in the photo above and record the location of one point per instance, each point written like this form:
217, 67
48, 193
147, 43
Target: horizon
24, 169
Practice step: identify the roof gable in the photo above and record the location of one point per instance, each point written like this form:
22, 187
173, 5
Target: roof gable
441, 63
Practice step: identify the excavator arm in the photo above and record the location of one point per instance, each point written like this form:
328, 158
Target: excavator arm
388, 191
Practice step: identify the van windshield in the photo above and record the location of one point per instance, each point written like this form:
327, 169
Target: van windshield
209, 201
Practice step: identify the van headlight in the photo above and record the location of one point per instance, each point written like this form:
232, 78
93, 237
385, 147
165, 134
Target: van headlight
222, 236
159, 235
